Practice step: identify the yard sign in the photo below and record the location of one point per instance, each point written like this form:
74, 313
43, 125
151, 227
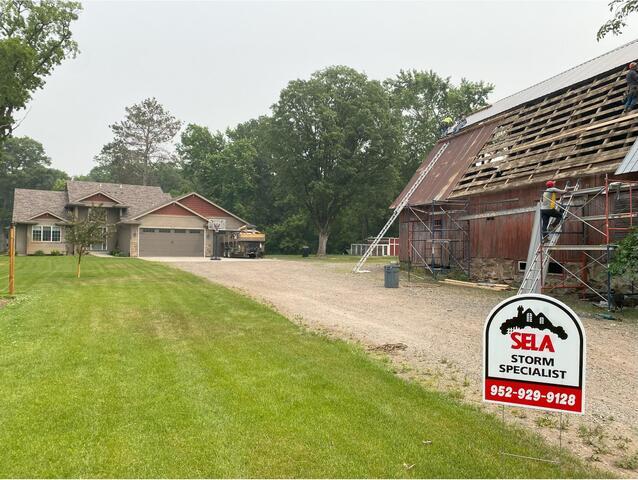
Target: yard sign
534, 355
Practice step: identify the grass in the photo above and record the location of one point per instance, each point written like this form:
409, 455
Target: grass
140, 370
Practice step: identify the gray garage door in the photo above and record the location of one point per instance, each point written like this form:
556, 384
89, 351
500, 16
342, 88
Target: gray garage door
171, 242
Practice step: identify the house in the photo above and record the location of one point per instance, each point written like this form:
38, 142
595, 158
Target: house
475, 210
148, 222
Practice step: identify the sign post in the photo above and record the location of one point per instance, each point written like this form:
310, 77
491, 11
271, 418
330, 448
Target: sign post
534, 355
12, 259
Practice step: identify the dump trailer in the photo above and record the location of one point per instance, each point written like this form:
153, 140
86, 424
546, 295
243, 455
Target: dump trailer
246, 243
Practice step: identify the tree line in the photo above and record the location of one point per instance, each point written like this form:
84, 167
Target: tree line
320, 169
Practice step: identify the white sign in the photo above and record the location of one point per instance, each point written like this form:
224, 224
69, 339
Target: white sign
217, 224
534, 354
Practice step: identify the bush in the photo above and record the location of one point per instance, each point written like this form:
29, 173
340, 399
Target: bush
38, 253
56, 253
625, 259
116, 252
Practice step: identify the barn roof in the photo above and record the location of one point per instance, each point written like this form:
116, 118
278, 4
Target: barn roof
629, 165
591, 68
576, 131
445, 173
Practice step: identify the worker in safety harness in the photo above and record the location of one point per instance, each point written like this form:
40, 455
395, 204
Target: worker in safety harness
550, 206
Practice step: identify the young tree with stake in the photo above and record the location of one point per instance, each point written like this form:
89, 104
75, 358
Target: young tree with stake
82, 232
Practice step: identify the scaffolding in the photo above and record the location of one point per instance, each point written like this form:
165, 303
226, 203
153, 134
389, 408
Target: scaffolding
599, 219
438, 241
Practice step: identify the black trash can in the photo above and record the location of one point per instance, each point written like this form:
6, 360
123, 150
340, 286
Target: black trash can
305, 251
391, 276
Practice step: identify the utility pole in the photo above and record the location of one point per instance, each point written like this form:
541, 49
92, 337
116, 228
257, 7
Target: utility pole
12, 259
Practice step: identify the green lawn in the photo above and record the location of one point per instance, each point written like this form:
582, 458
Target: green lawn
139, 370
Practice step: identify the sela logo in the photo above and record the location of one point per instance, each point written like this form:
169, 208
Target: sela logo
529, 341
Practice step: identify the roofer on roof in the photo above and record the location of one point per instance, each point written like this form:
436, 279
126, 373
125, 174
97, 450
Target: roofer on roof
632, 87
446, 123
550, 206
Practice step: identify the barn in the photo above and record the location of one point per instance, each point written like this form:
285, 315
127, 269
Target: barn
474, 211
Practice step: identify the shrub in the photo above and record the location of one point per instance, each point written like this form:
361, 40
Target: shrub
38, 253
116, 252
625, 260
56, 253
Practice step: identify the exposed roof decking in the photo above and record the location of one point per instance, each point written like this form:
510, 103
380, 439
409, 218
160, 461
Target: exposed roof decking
579, 131
580, 73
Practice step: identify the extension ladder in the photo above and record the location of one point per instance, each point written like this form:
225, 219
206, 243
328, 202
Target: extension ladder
397, 210
537, 263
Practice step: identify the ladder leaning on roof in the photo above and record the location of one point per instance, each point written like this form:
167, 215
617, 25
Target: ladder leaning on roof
538, 263
397, 210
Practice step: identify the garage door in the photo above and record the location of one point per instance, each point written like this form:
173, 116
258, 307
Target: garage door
171, 242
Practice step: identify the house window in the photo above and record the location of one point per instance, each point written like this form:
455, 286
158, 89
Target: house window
101, 246
529, 317
46, 233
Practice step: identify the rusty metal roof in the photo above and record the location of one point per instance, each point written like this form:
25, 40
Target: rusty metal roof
449, 168
589, 69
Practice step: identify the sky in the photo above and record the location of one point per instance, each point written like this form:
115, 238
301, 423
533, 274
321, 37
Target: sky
220, 63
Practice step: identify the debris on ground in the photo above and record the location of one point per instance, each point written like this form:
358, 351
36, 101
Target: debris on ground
390, 347
498, 287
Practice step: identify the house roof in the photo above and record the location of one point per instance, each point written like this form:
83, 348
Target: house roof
28, 204
589, 69
138, 198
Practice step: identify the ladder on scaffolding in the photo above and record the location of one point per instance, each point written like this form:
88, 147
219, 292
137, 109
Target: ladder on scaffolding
537, 263
398, 209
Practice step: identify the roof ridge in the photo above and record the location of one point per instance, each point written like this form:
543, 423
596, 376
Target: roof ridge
568, 70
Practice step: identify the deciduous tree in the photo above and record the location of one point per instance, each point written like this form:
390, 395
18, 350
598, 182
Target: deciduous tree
35, 37
621, 9
82, 232
336, 138
423, 99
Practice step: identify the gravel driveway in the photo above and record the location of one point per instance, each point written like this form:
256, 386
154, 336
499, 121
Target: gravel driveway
442, 328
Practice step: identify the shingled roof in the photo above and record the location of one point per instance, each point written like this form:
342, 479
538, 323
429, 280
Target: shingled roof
28, 204
135, 198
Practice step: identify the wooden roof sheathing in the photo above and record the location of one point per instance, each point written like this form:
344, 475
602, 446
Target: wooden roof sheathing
591, 68
452, 164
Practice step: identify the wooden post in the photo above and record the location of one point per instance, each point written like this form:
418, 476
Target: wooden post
12, 255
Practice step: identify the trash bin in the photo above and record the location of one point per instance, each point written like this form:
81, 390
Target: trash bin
391, 276
305, 252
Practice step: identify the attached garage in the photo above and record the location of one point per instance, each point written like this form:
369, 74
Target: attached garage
171, 242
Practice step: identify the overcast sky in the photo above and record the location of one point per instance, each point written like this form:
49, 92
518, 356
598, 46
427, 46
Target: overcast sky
220, 63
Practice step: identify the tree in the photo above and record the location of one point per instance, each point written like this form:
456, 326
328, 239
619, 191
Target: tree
140, 139
336, 137
625, 260
82, 232
23, 164
423, 100
221, 169
621, 10
35, 37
